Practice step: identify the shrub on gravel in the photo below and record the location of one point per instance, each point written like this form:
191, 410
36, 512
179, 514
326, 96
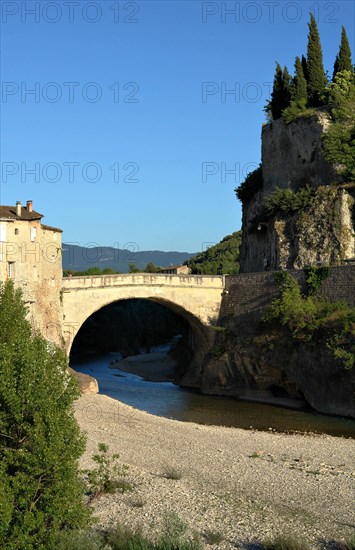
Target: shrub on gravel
109, 476
172, 473
285, 542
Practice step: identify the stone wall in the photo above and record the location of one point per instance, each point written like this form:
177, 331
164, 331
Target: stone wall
248, 294
292, 155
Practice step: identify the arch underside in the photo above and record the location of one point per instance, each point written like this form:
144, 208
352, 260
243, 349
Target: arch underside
84, 306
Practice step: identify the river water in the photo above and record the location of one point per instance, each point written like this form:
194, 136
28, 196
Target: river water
170, 401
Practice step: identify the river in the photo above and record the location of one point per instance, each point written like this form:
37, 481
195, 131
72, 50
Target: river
169, 400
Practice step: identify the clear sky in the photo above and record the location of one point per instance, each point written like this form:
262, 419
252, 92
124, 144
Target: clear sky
116, 117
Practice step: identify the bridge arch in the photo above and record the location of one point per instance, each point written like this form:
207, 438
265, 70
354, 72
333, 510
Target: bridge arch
195, 298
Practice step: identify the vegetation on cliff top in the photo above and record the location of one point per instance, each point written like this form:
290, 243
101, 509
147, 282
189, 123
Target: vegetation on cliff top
220, 259
304, 94
40, 441
311, 319
307, 89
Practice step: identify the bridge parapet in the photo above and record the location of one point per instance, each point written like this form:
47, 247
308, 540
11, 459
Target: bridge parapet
144, 279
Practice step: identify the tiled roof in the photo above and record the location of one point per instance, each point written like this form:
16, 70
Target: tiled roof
171, 267
9, 213
50, 228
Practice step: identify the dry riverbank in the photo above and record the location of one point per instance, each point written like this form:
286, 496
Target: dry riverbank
245, 485
156, 366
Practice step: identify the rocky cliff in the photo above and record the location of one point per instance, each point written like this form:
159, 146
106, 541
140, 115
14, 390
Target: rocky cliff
255, 361
320, 231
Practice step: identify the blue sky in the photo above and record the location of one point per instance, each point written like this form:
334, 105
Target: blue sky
130, 132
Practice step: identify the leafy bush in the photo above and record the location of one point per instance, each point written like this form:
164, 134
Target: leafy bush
172, 473
251, 185
287, 201
315, 276
339, 140
285, 542
310, 318
297, 109
109, 476
77, 540
40, 441
173, 537
213, 537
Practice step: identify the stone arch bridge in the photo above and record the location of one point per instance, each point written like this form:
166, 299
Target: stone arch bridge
194, 297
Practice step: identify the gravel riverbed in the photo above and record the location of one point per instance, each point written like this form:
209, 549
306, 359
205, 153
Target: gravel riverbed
245, 485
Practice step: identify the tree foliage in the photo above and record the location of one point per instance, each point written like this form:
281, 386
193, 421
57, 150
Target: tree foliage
339, 141
280, 96
315, 70
343, 59
151, 268
313, 319
218, 259
40, 441
251, 185
299, 83
286, 201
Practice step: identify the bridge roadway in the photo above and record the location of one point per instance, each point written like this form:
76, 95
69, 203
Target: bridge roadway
197, 298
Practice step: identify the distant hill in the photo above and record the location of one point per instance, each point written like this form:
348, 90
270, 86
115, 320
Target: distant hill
222, 258
80, 258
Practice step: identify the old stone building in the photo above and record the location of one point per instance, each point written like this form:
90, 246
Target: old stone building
175, 270
31, 255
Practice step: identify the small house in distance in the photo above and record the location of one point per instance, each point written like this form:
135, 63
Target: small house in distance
175, 270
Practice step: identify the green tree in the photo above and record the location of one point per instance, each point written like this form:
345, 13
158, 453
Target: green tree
133, 268
343, 59
93, 271
40, 441
339, 140
219, 259
280, 96
299, 83
304, 67
151, 268
316, 77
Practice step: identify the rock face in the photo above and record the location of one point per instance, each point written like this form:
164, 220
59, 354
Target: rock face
288, 376
253, 361
292, 154
88, 384
320, 233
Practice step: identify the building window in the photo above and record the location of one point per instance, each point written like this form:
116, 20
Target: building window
16, 231
33, 233
10, 269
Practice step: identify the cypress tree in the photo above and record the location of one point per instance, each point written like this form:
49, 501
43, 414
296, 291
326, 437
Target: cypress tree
343, 58
316, 76
286, 95
40, 441
280, 96
304, 67
299, 83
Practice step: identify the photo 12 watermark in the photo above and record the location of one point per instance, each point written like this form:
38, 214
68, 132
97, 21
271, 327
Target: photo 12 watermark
69, 172
235, 92
69, 92
223, 172
94, 253
70, 12
268, 11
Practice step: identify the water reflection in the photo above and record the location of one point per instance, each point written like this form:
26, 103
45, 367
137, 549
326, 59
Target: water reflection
168, 400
